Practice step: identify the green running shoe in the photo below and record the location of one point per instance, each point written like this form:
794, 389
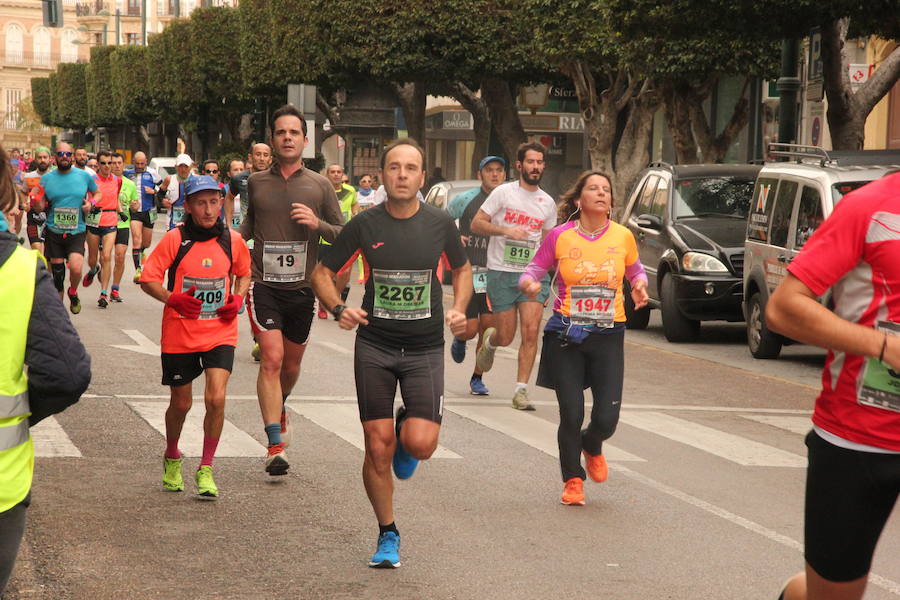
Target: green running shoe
172, 480
206, 487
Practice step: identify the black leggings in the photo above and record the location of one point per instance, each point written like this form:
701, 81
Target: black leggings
600, 362
12, 527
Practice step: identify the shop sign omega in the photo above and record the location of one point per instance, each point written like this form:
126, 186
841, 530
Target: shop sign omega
457, 120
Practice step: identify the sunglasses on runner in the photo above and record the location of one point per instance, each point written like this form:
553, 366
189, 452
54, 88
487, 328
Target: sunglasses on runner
211, 172
106, 162
64, 154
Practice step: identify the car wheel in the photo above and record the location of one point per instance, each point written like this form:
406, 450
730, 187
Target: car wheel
762, 342
676, 326
634, 319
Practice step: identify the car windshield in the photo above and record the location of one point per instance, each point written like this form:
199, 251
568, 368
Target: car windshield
838, 190
456, 191
713, 196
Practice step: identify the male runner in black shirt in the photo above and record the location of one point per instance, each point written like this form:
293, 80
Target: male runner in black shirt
400, 337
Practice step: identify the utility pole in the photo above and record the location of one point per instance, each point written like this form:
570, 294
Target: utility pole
118, 26
143, 22
788, 88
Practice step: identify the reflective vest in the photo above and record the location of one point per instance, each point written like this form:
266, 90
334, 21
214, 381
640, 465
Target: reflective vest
16, 449
346, 198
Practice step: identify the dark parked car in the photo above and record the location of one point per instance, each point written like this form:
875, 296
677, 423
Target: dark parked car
689, 222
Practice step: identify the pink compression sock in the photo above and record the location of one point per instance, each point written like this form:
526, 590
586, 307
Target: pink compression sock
172, 450
209, 449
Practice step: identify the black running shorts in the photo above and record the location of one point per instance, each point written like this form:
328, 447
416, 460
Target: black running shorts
478, 305
101, 231
122, 236
290, 311
420, 373
183, 368
849, 497
143, 217
61, 245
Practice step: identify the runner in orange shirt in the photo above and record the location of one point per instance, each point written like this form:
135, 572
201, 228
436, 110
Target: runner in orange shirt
209, 266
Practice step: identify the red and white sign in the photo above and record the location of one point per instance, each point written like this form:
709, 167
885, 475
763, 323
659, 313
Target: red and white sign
859, 74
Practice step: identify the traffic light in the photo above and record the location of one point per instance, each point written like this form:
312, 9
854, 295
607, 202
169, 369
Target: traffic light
53, 13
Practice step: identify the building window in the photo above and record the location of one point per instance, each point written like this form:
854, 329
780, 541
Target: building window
13, 98
133, 8
42, 46
133, 39
68, 50
15, 42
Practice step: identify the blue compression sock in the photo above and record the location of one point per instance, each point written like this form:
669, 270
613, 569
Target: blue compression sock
273, 432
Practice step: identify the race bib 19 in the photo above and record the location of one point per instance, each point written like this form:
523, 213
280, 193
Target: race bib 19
65, 218
517, 253
592, 305
402, 295
284, 261
210, 291
880, 385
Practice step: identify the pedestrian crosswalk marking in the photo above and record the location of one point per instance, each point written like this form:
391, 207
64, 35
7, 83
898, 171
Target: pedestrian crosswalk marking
800, 425
731, 447
528, 429
343, 421
51, 441
233, 443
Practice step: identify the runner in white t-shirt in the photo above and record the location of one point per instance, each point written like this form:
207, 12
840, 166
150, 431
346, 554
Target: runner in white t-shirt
517, 215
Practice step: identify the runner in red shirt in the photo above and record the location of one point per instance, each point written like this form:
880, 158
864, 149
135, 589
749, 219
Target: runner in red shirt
101, 224
853, 478
208, 269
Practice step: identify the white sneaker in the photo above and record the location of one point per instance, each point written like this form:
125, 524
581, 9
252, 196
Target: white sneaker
520, 400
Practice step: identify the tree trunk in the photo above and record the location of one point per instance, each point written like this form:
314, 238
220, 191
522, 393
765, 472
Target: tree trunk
847, 110
504, 115
714, 147
411, 96
679, 123
624, 159
481, 121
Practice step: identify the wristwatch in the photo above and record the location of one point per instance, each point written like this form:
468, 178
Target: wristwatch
337, 310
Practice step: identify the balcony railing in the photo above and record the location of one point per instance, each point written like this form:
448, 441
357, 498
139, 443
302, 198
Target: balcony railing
47, 60
91, 9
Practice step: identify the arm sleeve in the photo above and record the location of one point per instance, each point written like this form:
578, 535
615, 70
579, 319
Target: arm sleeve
247, 224
155, 175
634, 270
834, 249
240, 256
92, 183
345, 245
59, 368
543, 259
161, 258
453, 248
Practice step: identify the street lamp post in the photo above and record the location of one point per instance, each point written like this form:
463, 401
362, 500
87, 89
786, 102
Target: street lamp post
143, 22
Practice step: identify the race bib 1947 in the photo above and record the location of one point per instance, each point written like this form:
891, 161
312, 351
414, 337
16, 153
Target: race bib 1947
402, 295
592, 305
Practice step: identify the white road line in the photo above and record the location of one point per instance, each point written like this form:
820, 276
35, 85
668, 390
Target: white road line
800, 425
882, 582
233, 443
335, 347
731, 447
50, 440
144, 344
343, 421
528, 429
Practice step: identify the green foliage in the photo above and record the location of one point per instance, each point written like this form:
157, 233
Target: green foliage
215, 64
132, 99
71, 109
100, 104
171, 75
40, 98
53, 88
225, 152
257, 52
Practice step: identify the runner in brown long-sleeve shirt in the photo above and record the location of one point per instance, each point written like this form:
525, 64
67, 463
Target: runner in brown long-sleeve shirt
288, 208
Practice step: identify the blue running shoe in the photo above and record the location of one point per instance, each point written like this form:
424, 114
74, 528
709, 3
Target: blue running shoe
458, 350
477, 387
387, 555
404, 463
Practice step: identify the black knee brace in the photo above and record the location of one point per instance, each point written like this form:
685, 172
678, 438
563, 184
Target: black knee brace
59, 275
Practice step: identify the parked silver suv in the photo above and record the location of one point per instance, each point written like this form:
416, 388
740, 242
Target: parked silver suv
790, 200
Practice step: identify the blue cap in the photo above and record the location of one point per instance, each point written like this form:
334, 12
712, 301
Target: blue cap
489, 159
198, 183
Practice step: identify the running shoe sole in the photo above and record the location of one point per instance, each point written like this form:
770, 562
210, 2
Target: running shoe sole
74, 305
385, 564
572, 503
277, 466
484, 358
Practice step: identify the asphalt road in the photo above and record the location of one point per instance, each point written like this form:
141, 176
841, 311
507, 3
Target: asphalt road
704, 498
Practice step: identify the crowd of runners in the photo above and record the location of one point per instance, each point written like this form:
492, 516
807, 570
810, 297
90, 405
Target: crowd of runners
278, 241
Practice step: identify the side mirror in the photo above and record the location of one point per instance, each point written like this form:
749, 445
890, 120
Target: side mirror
650, 222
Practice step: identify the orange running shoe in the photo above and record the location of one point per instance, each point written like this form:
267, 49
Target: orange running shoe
573, 493
597, 468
